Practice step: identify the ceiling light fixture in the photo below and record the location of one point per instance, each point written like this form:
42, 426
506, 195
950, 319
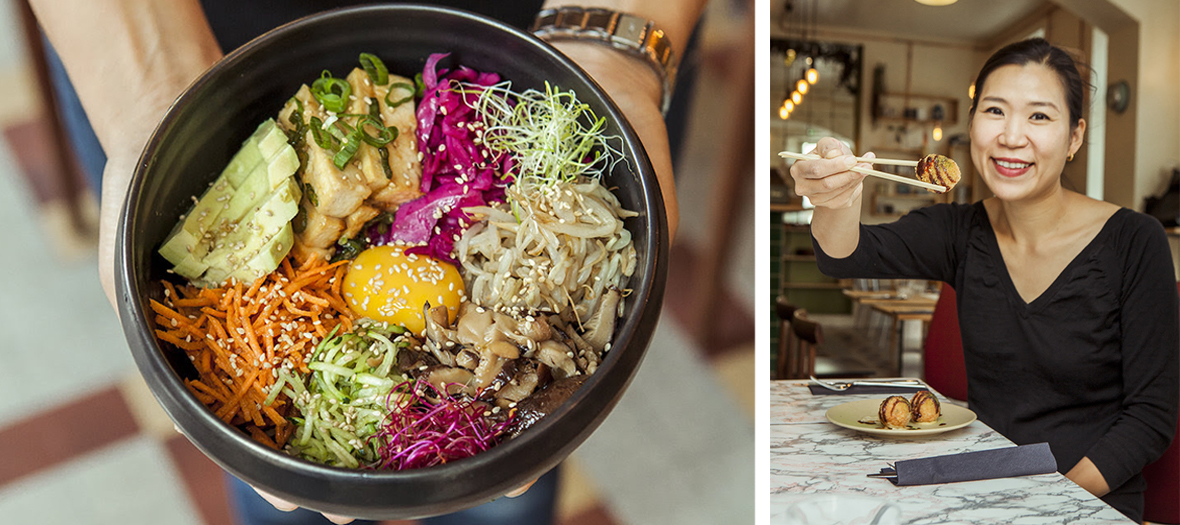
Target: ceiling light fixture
936, 2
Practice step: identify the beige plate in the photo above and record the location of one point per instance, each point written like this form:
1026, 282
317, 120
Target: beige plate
848, 415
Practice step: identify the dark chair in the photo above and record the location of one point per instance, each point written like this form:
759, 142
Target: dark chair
1161, 500
942, 362
787, 343
808, 335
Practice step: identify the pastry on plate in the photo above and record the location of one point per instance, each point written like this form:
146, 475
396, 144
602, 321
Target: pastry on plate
895, 412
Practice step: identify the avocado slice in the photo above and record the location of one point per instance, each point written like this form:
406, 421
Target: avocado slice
238, 246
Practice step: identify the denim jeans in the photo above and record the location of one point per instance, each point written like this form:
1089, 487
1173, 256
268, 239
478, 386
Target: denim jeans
535, 507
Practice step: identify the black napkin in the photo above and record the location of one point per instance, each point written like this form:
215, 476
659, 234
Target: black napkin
1023, 460
864, 390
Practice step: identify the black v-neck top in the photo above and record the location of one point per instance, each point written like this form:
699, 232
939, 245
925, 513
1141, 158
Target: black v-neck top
1092, 365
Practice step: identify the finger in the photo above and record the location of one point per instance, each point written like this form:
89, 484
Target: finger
840, 199
822, 168
835, 183
340, 520
829, 147
277, 502
521, 490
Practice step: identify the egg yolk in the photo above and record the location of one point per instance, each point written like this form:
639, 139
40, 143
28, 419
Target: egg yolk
386, 284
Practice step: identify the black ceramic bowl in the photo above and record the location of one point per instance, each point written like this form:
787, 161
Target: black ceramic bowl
207, 124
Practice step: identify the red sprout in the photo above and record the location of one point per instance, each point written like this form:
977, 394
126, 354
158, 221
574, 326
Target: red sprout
426, 427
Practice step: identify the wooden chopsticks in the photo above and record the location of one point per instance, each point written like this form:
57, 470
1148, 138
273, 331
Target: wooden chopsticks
875, 173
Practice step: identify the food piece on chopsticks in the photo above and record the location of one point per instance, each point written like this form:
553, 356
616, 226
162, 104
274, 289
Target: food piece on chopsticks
895, 412
938, 169
925, 407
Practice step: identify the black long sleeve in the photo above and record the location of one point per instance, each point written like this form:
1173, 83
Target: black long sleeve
1091, 366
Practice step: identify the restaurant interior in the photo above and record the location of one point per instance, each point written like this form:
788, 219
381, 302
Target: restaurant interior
895, 77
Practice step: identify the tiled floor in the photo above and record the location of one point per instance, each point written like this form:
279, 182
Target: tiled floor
84, 442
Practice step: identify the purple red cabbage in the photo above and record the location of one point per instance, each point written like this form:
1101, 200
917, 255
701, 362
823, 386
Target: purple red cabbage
457, 169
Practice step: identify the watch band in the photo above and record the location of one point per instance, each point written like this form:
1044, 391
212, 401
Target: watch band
622, 31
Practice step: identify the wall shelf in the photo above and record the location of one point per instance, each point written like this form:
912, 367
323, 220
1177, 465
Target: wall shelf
915, 108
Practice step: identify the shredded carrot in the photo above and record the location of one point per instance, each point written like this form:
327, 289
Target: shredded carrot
238, 335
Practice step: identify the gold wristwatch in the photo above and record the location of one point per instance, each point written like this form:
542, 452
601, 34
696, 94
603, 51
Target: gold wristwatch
623, 31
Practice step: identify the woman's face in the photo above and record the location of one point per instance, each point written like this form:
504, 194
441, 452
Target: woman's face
1020, 135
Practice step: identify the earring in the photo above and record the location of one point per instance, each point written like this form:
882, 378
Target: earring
1070, 159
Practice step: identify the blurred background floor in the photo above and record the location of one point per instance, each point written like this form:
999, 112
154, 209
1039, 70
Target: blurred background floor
84, 442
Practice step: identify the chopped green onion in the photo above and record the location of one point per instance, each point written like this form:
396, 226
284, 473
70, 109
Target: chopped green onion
419, 86
349, 249
375, 68
322, 138
309, 191
384, 136
331, 92
403, 85
350, 144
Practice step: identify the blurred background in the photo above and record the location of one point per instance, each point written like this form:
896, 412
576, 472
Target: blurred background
84, 441
896, 77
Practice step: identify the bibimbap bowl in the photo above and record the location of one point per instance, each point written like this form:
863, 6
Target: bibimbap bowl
207, 124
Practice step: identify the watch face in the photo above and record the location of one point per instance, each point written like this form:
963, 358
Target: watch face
1118, 96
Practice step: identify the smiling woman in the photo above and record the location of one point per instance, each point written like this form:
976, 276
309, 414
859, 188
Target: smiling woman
1067, 305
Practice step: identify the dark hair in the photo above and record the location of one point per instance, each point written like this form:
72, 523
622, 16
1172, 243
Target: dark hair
1040, 51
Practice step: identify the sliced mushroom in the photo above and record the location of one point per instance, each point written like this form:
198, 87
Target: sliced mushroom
504, 349
523, 383
536, 329
601, 325
473, 326
544, 402
412, 360
467, 359
558, 357
489, 367
449, 379
439, 337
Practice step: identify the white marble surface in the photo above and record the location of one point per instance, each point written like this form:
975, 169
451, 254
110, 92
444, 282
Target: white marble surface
809, 456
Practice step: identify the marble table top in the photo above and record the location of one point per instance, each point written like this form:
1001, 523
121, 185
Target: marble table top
809, 456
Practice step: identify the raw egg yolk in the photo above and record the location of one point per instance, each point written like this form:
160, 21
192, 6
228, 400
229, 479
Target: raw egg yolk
386, 284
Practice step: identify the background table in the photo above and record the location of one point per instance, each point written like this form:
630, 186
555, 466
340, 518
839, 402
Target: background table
809, 456
917, 307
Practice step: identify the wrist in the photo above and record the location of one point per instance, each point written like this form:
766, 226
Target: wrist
615, 71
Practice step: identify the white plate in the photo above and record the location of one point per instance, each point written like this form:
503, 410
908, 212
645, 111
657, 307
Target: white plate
848, 415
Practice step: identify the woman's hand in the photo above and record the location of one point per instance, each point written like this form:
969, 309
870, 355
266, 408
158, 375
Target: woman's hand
1087, 476
637, 90
828, 183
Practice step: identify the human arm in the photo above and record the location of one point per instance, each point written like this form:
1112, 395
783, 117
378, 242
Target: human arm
128, 60
1149, 323
632, 83
1087, 476
836, 194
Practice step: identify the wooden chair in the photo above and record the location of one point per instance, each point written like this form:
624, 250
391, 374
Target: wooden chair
786, 340
808, 335
942, 363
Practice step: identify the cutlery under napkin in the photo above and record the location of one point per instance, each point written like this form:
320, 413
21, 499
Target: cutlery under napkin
1023, 460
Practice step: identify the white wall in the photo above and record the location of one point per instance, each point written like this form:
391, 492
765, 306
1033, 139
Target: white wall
1157, 128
